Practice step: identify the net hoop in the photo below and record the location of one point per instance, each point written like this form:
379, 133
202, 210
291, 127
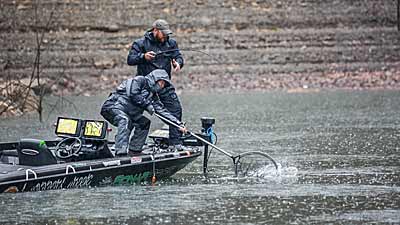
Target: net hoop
236, 160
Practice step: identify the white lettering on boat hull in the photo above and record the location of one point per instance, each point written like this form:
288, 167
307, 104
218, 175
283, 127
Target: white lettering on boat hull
77, 182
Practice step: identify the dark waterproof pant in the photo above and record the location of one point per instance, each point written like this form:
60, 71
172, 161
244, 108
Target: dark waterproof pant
171, 102
125, 125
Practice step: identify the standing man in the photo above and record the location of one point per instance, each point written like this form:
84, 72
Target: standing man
157, 50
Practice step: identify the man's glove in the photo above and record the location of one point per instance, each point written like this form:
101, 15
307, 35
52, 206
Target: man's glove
150, 109
183, 128
176, 66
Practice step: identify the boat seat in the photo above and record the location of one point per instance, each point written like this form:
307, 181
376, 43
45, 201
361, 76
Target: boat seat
33, 152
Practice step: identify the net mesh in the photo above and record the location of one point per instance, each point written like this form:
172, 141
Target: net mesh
255, 164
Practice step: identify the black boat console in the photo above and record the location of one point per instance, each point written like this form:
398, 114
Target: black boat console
82, 139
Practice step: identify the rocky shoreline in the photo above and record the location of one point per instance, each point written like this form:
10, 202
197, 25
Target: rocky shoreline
287, 45
381, 80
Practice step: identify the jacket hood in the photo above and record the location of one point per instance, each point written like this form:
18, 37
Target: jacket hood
149, 35
157, 75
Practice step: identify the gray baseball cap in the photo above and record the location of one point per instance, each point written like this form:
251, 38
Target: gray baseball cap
163, 26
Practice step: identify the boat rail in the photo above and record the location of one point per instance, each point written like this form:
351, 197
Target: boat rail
27, 174
67, 169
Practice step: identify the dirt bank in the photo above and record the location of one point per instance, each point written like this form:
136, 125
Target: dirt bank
277, 44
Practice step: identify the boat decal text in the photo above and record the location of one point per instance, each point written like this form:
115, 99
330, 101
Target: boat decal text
131, 179
136, 160
76, 182
49, 185
80, 182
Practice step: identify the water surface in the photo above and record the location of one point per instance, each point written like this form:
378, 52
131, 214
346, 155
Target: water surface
338, 151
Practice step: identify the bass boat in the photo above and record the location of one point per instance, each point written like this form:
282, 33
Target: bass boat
81, 157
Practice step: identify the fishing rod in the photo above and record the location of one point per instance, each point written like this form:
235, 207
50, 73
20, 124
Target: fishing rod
186, 49
236, 159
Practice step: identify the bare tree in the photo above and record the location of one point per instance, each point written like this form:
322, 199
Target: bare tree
36, 71
19, 97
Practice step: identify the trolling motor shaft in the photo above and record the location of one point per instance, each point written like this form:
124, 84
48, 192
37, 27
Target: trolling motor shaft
206, 124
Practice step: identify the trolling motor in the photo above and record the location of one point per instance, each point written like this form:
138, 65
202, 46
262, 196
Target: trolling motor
206, 139
207, 130
206, 124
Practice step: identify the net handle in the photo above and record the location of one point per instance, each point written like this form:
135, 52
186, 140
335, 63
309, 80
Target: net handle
235, 159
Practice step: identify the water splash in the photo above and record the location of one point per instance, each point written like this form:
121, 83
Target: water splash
269, 171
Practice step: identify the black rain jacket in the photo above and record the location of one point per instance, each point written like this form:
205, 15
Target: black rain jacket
133, 100
161, 61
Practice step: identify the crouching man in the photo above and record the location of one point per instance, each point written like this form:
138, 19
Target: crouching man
124, 109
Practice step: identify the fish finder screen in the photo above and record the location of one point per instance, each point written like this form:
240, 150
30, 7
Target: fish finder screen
94, 129
66, 126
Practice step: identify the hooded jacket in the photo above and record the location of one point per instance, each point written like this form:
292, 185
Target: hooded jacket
161, 61
133, 95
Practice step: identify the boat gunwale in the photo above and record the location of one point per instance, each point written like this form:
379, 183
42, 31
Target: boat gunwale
192, 154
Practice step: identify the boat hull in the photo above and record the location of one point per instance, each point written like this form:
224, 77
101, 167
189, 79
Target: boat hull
106, 172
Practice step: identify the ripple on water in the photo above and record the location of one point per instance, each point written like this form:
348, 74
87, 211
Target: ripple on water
338, 164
